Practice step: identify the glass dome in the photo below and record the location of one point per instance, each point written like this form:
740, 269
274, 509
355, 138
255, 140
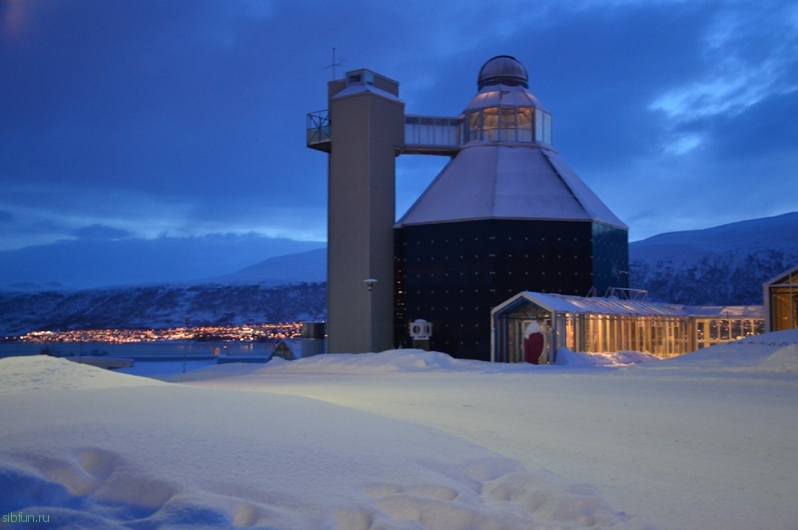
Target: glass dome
502, 70
505, 110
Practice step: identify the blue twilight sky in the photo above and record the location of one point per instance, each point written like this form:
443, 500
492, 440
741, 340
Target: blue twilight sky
184, 119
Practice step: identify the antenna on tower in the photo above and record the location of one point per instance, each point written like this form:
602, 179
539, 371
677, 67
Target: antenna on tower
334, 64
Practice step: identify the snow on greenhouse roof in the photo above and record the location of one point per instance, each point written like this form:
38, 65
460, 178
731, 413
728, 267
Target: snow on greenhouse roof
741, 311
558, 303
488, 181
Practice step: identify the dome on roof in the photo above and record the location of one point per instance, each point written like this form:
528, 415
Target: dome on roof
502, 69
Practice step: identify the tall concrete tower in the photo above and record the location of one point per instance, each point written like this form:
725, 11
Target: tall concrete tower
363, 133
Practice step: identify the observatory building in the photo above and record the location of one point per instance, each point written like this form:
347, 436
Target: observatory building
506, 215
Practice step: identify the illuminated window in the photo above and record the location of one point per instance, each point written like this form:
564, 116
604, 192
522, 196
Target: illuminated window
507, 125
525, 120
490, 124
473, 126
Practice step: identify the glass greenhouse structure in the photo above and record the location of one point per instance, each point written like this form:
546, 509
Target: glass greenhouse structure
781, 301
531, 327
720, 324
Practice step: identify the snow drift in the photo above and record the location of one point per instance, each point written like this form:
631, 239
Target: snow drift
410, 440
566, 357
93, 449
768, 354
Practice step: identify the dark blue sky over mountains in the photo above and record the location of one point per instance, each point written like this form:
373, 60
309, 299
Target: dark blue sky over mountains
166, 120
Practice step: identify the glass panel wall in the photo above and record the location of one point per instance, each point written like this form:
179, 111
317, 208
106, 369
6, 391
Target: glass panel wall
725, 330
318, 127
525, 121
490, 124
596, 333
783, 308
501, 124
736, 329
509, 340
782, 294
472, 118
507, 125
664, 335
546, 128
539, 126
426, 133
423, 130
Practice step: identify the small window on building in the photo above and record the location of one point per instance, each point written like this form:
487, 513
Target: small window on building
473, 126
713, 330
724, 329
507, 125
547, 128
525, 125
490, 124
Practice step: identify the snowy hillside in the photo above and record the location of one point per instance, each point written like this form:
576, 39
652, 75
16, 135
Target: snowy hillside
310, 266
725, 265
160, 306
282, 289
96, 262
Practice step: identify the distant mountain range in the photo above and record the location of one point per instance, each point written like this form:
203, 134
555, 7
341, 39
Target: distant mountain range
287, 288
725, 265
310, 267
100, 263
160, 306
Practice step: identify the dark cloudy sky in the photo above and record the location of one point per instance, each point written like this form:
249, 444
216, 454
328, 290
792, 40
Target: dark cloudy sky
142, 119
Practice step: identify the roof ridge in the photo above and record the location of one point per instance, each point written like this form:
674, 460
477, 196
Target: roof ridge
565, 182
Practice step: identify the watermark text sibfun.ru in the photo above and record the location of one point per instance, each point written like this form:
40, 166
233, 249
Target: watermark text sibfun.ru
20, 517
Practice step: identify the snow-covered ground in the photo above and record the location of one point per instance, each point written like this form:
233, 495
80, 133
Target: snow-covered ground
410, 440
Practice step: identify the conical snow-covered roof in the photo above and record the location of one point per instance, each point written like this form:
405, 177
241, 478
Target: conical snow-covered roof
506, 168
487, 181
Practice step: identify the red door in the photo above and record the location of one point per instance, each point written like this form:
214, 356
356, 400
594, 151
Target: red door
533, 343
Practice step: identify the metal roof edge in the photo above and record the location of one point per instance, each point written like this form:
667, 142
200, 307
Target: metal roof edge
645, 308
498, 218
788, 272
593, 215
400, 223
528, 295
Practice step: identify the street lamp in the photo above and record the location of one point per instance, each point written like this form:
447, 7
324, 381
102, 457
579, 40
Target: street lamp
370, 284
185, 318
